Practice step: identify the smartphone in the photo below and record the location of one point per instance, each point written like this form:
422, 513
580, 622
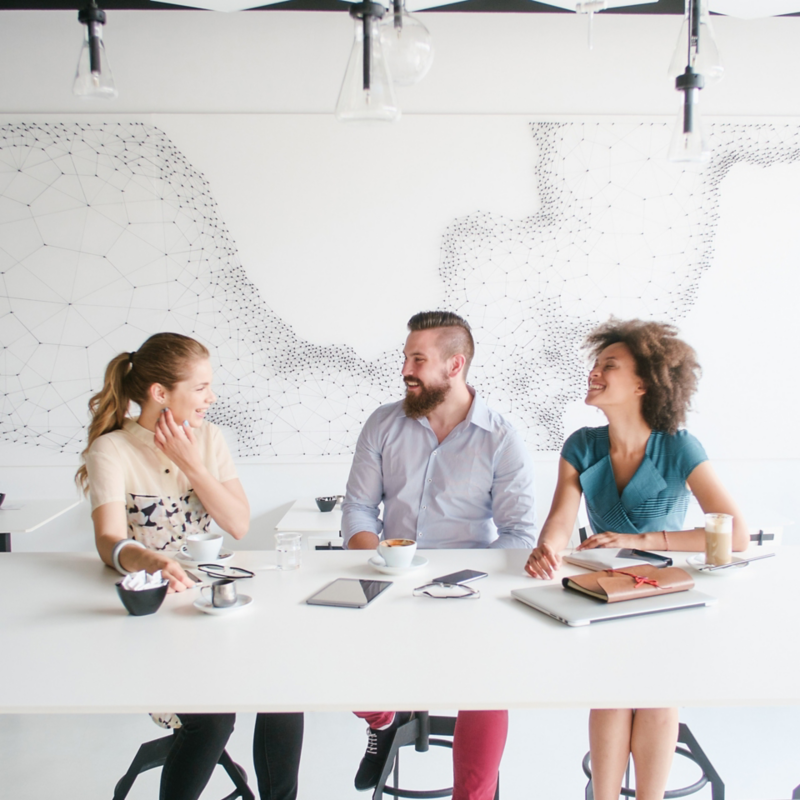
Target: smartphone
465, 576
645, 555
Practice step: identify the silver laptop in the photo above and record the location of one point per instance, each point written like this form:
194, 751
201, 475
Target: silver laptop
575, 609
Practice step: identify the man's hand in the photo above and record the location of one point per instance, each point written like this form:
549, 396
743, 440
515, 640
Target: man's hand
543, 562
363, 540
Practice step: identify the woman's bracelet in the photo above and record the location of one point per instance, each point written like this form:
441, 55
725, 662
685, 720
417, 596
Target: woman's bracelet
666, 541
116, 551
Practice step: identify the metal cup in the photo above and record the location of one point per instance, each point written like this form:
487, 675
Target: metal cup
223, 593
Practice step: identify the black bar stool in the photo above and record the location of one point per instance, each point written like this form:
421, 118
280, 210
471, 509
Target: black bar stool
419, 731
693, 752
153, 754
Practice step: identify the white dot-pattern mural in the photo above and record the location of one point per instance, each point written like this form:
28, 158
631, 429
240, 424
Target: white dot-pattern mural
108, 234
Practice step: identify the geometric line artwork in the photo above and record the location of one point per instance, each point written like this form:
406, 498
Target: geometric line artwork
109, 234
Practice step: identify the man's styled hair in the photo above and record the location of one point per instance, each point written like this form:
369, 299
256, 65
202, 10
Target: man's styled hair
455, 337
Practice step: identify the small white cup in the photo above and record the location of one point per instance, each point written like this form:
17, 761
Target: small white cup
202, 546
397, 552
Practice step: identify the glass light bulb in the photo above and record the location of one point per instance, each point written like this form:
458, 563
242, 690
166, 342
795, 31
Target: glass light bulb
688, 141
703, 56
93, 78
407, 46
362, 99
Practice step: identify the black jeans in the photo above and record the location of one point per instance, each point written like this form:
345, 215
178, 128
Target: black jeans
277, 744
196, 748
198, 745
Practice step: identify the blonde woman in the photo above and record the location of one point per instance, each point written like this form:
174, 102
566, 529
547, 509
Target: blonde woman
153, 480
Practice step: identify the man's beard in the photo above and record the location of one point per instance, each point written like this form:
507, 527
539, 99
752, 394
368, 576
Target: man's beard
421, 404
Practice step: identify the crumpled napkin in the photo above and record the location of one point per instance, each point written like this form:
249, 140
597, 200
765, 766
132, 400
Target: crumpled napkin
138, 581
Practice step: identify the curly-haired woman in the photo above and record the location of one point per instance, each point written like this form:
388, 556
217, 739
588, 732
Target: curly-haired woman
637, 474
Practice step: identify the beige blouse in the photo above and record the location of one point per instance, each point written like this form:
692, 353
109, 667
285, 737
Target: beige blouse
125, 466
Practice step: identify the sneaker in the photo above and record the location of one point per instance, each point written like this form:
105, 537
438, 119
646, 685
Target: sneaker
379, 743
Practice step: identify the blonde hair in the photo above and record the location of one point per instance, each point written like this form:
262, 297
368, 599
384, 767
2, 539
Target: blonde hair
164, 359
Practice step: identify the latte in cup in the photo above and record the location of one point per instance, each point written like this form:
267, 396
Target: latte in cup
397, 552
719, 539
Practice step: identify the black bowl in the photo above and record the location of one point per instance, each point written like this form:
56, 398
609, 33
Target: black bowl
147, 601
325, 503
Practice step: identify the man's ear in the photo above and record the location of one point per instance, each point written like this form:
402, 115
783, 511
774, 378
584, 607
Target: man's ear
456, 365
158, 393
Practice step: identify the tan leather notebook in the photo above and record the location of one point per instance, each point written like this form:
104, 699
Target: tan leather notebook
642, 580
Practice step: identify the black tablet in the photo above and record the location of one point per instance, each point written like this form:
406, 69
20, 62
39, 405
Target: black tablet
348, 593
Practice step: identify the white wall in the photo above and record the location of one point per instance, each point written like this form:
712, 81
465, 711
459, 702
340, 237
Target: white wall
204, 66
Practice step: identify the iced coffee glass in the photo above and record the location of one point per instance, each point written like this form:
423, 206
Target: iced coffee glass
719, 539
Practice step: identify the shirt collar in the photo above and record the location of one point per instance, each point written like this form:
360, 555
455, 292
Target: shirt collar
478, 413
133, 427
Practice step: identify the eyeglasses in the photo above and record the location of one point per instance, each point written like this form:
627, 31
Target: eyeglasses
447, 591
224, 571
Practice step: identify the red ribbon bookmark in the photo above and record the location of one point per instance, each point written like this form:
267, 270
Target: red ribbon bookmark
640, 579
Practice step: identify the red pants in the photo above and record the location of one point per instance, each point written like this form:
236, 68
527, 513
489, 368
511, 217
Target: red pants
478, 745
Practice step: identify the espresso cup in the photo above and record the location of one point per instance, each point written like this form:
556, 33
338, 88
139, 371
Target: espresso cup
397, 552
222, 593
202, 546
719, 539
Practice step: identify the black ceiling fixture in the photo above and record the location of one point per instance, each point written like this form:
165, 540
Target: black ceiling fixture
477, 6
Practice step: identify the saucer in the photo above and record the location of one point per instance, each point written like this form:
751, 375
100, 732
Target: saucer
201, 604
377, 563
698, 561
185, 558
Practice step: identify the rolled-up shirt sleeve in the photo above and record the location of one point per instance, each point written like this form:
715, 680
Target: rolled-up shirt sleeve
364, 493
512, 496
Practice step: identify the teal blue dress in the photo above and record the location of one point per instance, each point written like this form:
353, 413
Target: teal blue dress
655, 499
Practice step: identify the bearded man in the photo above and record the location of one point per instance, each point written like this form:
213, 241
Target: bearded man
450, 473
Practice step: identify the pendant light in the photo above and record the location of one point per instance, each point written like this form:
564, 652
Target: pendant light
93, 78
407, 46
367, 92
688, 142
704, 54
590, 7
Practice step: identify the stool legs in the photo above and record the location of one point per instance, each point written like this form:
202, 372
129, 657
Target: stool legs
423, 731
693, 752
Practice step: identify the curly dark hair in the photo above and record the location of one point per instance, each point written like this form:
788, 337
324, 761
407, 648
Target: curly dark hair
667, 366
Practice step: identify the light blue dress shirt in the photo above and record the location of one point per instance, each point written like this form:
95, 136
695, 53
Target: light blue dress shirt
474, 489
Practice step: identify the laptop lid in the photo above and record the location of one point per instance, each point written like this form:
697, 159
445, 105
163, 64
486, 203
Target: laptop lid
575, 609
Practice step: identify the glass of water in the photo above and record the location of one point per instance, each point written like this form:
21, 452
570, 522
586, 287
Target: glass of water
288, 547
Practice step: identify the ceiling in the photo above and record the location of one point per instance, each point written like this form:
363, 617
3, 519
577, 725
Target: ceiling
481, 6
740, 8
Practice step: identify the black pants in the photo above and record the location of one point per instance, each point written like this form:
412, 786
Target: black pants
197, 746
277, 743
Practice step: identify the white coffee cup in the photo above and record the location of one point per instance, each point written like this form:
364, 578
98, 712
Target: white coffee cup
397, 552
202, 546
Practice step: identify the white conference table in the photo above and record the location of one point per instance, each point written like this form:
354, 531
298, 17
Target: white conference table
304, 517
25, 516
69, 646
